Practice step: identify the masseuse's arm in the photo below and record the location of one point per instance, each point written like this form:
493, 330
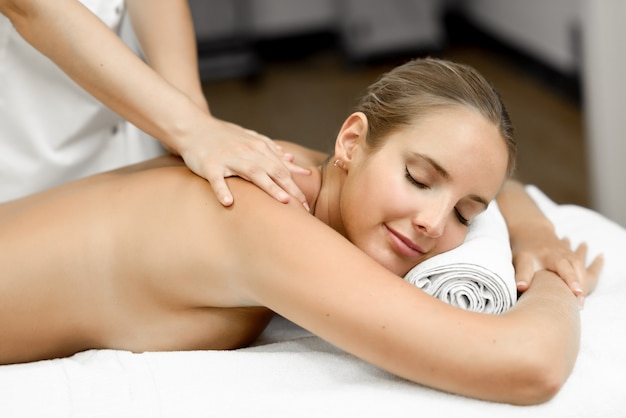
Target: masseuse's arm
327, 285
161, 102
535, 245
165, 32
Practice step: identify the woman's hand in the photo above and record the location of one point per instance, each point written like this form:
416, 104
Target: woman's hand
535, 245
537, 248
230, 150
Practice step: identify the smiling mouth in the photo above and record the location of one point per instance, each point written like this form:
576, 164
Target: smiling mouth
403, 244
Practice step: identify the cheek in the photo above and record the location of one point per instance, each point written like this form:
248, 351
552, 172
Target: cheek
357, 206
373, 198
454, 236
363, 204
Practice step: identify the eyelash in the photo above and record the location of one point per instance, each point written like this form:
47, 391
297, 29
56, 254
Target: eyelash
464, 221
460, 217
411, 179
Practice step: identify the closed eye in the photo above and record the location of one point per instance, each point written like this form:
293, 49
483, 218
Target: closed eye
463, 220
460, 217
412, 180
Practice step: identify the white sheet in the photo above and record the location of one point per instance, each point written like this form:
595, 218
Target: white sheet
291, 373
478, 275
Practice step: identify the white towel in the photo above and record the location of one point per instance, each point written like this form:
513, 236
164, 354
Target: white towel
478, 275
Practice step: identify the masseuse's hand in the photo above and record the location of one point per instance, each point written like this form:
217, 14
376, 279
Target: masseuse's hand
538, 247
231, 150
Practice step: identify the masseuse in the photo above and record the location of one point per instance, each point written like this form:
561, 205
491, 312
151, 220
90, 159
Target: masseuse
145, 258
67, 82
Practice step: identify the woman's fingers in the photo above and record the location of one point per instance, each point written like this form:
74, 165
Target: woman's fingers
221, 190
571, 274
271, 178
294, 168
245, 153
568, 264
525, 268
594, 273
586, 277
275, 174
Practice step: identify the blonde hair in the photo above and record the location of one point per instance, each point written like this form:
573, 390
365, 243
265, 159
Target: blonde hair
420, 86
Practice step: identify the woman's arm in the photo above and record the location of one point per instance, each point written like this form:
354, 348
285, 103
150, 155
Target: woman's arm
167, 38
535, 244
95, 58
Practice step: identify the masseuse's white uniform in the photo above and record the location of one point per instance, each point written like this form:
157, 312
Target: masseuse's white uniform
52, 131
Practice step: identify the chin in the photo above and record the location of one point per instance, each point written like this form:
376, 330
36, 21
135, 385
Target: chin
388, 260
393, 267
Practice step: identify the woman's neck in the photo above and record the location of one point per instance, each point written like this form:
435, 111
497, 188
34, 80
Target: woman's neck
325, 206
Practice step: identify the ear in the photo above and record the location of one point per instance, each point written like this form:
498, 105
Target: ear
352, 134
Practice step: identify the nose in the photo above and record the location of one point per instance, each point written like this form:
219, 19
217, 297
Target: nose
432, 219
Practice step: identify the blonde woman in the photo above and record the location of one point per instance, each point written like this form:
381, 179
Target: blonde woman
145, 258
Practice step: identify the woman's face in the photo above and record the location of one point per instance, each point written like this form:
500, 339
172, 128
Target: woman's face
414, 197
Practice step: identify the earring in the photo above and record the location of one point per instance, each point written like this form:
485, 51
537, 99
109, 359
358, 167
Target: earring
336, 163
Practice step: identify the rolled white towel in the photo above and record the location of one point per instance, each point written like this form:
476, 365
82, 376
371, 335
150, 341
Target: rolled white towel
478, 275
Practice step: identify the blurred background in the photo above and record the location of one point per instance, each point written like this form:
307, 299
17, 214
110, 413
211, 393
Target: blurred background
293, 69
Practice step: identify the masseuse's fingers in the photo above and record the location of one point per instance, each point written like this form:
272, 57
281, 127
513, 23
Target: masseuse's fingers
230, 150
271, 171
276, 182
286, 157
280, 178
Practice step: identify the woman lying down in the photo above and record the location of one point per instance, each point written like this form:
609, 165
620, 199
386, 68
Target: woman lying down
145, 258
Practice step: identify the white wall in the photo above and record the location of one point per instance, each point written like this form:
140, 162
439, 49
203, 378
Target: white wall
367, 27
542, 28
604, 40
371, 27
216, 19
290, 17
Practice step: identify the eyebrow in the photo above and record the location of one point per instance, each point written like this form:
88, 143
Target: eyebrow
443, 173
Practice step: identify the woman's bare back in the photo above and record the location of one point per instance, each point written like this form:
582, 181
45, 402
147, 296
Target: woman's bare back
80, 271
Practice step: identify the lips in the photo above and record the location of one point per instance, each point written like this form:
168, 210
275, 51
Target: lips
404, 245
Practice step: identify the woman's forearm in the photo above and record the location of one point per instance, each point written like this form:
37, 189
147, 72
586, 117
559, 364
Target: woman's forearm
547, 321
535, 244
94, 57
518, 209
164, 29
